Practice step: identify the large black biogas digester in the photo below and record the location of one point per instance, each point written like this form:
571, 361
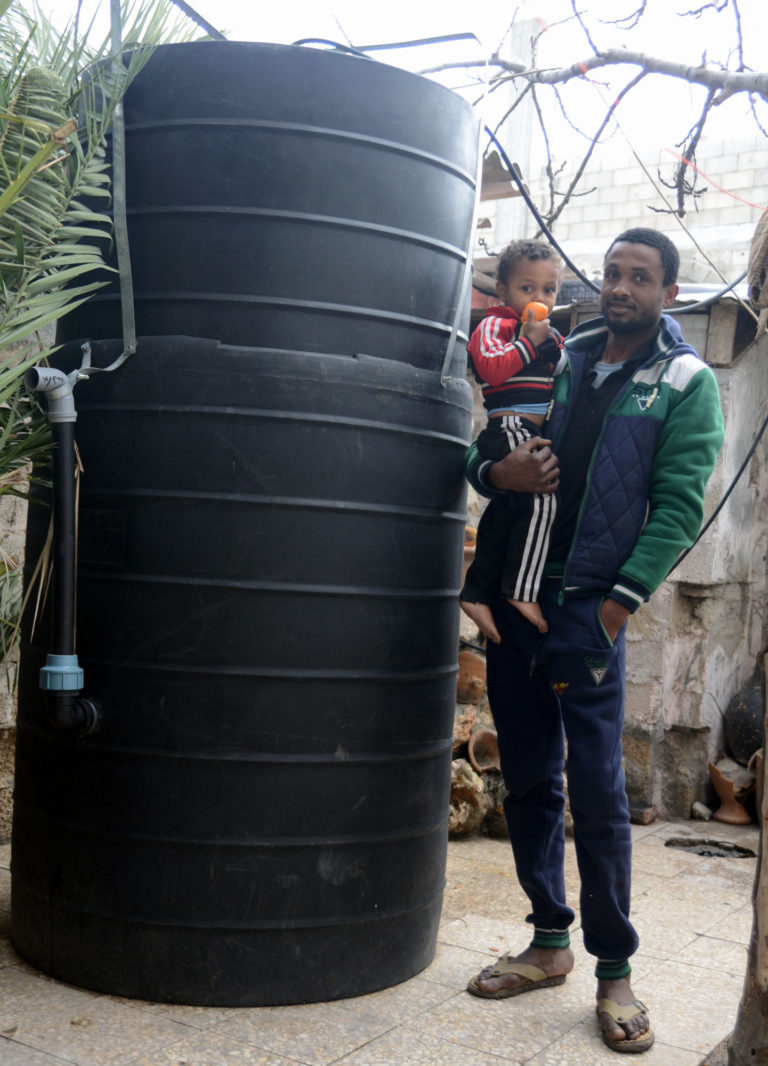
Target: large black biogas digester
271, 518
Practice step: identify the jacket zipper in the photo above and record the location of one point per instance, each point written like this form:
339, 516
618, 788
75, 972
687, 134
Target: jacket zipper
657, 357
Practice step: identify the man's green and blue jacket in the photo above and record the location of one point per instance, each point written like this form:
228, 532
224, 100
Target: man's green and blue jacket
644, 497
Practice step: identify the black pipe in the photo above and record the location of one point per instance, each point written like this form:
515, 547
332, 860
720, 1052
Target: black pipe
63, 636
61, 677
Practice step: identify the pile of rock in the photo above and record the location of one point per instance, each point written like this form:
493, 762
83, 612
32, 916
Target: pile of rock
477, 790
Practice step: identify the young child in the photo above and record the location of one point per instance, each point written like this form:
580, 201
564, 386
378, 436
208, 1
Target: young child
514, 360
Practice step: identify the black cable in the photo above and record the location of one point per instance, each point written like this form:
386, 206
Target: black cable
710, 299
419, 42
331, 44
534, 211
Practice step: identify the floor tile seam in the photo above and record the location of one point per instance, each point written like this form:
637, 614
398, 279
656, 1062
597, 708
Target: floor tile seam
408, 1014
723, 939
233, 1040
445, 983
348, 1054
148, 1009
456, 1042
703, 968
658, 1044
584, 1021
705, 932
650, 955
698, 866
588, 1022
724, 898
213, 1031
152, 1047
657, 874
49, 1054
408, 1018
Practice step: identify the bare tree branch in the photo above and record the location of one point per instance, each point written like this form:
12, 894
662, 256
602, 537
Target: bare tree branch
713, 6
595, 141
580, 20
549, 172
517, 101
566, 116
754, 115
630, 20
681, 183
739, 36
727, 82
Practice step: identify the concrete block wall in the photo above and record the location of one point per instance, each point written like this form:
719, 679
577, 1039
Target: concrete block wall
618, 194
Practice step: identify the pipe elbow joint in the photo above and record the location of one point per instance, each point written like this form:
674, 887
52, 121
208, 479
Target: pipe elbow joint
58, 389
70, 712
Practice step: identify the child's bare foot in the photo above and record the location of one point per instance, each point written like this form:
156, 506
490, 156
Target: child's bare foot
482, 616
532, 612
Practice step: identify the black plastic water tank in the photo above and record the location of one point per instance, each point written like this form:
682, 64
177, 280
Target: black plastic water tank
286, 197
270, 549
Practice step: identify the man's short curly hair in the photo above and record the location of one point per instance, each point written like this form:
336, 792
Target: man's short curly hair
525, 249
670, 257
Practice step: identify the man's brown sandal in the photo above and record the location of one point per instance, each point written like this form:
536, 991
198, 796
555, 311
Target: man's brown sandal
622, 1013
534, 978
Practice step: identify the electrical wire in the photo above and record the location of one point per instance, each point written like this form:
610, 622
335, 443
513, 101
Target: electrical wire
705, 303
727, 493
534, 211
331, 44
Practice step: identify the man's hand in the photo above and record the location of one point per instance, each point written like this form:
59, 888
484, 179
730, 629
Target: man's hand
530, 467
613, 615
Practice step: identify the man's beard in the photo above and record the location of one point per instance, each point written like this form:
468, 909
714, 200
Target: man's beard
627, 325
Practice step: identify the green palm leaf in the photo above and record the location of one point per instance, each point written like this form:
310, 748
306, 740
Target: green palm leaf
58, 96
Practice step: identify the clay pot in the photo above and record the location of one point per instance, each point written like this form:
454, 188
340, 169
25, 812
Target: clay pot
483, 750
470, 682
731, 810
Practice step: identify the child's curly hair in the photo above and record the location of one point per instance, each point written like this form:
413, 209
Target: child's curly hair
525, 249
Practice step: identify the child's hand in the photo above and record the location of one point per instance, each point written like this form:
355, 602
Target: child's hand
536, 331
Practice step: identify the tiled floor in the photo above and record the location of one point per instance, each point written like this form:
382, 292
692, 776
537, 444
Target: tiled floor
693, 914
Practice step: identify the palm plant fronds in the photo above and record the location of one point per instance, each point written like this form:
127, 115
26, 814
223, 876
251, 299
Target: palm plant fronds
59, 91
51, 175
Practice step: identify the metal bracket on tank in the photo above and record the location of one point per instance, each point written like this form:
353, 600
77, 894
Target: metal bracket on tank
465, 285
